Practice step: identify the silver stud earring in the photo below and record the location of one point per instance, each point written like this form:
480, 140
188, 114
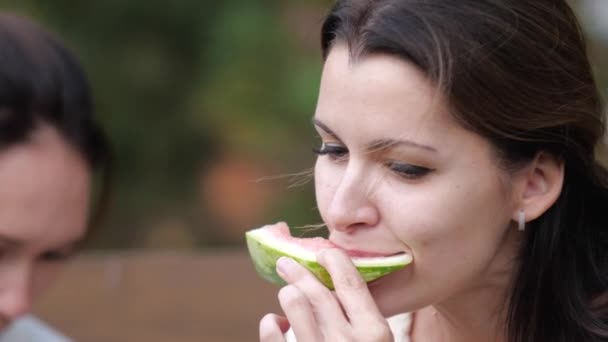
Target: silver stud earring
521, 226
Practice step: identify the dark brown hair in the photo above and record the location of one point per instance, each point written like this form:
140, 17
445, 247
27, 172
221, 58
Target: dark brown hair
517, 73
42, 83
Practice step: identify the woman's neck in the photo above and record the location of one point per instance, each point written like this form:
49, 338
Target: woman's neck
476, 314
459, 323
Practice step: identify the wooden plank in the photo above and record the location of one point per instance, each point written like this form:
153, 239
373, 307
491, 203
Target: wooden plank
146, 296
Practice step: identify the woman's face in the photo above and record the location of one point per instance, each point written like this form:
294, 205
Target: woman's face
396, 173
44, 199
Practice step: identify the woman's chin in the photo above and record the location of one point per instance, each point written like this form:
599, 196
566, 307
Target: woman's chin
390, 293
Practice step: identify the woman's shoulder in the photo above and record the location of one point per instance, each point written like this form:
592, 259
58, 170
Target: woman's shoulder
30, 328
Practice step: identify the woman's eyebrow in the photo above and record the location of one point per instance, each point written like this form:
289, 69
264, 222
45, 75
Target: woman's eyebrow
73, 243
325, 129
383, 144
9, 241
378, 144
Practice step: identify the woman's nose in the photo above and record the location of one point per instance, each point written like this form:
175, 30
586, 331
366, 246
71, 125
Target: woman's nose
15, 295
352, 205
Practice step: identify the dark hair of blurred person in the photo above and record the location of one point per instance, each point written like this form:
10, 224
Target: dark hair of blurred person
54, 165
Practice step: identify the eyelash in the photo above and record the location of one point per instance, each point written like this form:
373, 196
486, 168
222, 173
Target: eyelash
47, 257
333, 151
55, 256
339, 153
408, 171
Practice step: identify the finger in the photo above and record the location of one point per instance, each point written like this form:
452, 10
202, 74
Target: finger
273, 327
350, 287
299, 312
324, 303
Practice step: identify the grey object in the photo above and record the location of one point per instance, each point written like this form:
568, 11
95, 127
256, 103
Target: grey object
31, 329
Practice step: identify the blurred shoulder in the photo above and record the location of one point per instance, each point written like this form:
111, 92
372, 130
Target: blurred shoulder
31, 329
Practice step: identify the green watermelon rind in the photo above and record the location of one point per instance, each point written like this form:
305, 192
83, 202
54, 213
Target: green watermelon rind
265, 257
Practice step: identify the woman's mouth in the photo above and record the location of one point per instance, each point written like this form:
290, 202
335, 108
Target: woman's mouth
359, 253
373, 256
367, 254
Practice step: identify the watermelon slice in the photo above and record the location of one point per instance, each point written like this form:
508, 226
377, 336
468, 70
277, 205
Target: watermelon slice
267, 244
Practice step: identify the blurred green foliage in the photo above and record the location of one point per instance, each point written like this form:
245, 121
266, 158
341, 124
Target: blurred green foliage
201, 99
182, 86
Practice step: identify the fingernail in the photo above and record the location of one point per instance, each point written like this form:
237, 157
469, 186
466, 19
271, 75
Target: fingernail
284, 265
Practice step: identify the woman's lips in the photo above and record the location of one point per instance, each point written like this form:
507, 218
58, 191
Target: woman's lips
365, 254
357, 253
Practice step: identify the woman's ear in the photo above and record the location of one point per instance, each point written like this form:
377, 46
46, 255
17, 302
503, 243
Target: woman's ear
539, 185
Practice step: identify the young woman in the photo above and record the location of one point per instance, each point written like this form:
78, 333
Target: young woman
50, 150
463, 133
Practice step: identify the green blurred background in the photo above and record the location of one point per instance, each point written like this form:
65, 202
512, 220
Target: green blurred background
208, 105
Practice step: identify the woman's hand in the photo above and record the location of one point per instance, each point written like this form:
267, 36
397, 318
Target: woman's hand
317, 314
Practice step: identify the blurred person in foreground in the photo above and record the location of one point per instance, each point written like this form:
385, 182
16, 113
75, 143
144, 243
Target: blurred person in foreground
464, 134
51, 150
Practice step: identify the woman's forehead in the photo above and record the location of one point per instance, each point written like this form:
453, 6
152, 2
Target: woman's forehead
382, 94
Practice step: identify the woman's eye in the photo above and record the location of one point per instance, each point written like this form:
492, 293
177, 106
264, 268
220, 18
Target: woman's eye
333, 151
55, 256
408, 171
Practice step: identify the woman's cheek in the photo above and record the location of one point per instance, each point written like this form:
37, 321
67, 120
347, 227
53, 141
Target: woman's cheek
325, 184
